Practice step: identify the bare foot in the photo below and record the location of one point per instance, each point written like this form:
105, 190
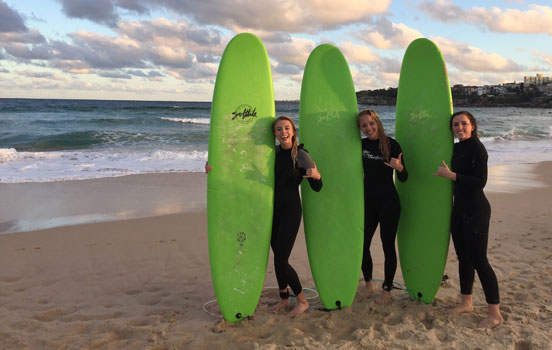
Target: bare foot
493, 319
282, 304
369, 289
384, 298
460, 309
491, 322
466, 305
301, 307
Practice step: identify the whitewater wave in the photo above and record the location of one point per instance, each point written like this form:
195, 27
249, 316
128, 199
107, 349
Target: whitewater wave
18, 167
202, 121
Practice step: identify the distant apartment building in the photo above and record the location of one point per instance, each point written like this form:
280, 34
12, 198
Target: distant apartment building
464, 90
537, 80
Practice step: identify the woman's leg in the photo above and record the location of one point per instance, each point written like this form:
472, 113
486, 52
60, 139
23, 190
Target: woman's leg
466, 270
478, 243
282, 245
370, 225
389, 223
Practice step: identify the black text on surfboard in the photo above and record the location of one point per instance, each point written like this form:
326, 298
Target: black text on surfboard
241, 238
244, 113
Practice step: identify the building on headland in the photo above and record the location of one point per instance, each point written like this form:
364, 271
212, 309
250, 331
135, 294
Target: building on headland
521, 94
537, 80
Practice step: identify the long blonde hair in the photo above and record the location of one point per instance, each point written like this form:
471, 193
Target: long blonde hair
383, 139
293, 139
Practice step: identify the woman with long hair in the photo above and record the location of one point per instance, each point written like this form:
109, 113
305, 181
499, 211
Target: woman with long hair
471, 214
292, 164
381, 157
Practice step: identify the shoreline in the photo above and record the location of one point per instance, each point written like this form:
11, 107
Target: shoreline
109, 199
145, 283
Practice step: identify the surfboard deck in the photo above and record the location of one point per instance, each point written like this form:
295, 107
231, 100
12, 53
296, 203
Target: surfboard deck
424, 107
240, 188
334, 217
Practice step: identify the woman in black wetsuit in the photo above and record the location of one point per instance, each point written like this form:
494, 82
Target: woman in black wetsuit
471, 213
293, 163
381, 155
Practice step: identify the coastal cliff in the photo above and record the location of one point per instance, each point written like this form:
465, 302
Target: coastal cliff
388, 97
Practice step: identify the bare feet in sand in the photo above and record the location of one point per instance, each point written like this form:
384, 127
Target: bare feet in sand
384, 298
465, 306
491, 322
301, 306
494, 319
369, 289
299, 309
281, 305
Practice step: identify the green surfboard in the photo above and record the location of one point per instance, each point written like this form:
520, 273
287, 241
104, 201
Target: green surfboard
424, 107
334, 217
240, 188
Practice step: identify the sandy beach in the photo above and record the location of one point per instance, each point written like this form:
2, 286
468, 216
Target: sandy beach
133, 273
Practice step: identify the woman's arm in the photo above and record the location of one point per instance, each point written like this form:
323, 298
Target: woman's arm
304, 161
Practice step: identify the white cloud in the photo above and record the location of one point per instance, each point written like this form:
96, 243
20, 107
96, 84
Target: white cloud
41, 75
284, 15
480, 79
384, 34
538, 19
467, 57
293, 52
545, 58
292, 16
535, 19
358, 53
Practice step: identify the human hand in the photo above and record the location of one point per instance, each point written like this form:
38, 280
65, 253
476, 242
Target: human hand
444, 171
208, 168
313, 173
396, 163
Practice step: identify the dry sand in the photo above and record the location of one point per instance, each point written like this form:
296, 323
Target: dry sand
144, 283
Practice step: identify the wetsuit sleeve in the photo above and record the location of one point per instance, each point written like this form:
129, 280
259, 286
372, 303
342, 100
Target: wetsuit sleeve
304, 162
403, 175
479, 164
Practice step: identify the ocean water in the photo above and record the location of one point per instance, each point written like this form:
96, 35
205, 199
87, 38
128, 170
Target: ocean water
53, 140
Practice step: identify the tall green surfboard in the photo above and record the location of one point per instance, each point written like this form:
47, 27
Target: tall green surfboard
333, 217
240, 188
424, 107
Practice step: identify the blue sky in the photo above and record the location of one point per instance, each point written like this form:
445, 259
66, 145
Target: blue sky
169, 49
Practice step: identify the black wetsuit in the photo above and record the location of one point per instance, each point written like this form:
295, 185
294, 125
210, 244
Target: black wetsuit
287, 212
471, 214
381, 205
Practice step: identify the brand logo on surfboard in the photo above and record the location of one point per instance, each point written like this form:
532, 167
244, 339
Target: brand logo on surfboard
244, 113
241, 238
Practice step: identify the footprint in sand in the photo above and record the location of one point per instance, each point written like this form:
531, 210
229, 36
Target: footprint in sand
54, 314
404, 335
393, 319
9, 279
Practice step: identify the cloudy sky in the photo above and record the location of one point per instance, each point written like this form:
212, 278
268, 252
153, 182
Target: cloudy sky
170, 49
